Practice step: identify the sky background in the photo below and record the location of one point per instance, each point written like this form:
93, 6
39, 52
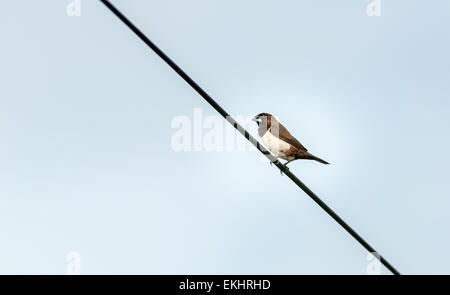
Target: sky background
86, 162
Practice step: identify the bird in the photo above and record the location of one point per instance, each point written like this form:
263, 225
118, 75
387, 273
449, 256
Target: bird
280, 142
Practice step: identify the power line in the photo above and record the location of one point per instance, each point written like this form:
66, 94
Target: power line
247, 135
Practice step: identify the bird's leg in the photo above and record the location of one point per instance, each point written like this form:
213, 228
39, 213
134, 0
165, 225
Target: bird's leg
285, 167
285, 164
270, 161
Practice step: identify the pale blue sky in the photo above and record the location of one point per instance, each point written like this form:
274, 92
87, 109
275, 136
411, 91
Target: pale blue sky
86, 163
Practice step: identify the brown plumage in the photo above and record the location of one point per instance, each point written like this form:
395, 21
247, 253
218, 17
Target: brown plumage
280, 142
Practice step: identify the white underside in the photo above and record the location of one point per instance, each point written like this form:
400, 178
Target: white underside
276, 146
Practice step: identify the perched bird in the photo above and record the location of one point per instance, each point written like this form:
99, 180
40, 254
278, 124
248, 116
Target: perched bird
280, 142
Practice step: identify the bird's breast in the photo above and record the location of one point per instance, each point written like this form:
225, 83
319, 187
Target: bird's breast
277, 146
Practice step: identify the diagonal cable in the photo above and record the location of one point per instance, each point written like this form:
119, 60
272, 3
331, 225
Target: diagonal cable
247, 135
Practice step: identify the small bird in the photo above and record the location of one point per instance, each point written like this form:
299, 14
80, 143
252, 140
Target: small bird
280, 142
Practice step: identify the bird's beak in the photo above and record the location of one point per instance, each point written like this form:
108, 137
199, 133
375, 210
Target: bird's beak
257, 120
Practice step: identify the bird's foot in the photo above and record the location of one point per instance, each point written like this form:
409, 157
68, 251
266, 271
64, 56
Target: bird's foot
284, 169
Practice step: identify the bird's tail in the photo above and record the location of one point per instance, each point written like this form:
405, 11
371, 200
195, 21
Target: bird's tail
318, 159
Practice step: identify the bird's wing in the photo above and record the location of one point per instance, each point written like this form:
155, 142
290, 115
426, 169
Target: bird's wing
285, 136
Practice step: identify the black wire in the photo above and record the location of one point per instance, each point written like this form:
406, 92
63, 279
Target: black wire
247, 135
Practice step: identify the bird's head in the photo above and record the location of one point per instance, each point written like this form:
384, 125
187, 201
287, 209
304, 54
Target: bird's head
262, 118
